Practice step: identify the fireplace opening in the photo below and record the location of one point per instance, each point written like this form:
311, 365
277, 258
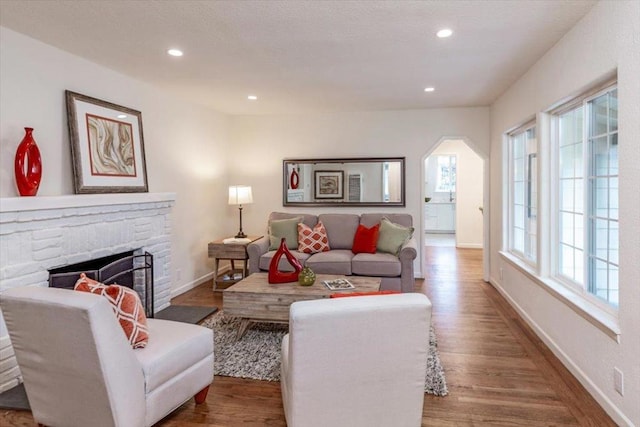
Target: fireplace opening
131, 269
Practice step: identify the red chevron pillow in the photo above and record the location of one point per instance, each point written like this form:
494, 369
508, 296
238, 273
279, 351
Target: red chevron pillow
126, 306
312, 241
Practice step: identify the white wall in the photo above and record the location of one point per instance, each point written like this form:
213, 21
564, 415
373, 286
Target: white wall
185, 144
261, 142
469, 192
606, 38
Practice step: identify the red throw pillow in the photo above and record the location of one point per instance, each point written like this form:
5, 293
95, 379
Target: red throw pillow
363, 294
126, 306
366, 239
312, 241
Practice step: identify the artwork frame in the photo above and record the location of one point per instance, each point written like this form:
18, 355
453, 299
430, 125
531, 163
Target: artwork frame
329, 185
107, 146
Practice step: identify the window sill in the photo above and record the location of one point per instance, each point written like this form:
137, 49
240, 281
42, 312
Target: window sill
581, 306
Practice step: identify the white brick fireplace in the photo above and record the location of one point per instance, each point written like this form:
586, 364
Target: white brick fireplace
41, 233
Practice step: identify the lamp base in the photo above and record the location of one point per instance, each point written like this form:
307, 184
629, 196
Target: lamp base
240, 235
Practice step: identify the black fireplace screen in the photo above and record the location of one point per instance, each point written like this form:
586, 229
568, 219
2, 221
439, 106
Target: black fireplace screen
125, 269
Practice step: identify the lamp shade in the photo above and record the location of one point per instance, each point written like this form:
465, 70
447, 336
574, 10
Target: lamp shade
240, 195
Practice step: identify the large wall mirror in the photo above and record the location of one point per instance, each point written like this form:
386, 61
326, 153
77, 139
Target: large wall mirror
344, 182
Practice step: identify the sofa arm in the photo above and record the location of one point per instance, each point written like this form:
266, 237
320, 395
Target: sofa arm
409, 251
255, 250
407, 255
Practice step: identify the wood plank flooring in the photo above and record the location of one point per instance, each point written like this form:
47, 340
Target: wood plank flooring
498, 372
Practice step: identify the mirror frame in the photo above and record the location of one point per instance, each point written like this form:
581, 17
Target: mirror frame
285, 181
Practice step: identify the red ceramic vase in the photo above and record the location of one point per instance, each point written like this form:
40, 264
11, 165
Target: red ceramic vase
294, 180
277, 276
28, 165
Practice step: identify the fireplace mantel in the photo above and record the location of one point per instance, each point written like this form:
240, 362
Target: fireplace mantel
21, 204
41, 233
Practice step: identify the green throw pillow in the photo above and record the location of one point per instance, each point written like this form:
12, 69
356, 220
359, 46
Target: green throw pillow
392, 236
287, 228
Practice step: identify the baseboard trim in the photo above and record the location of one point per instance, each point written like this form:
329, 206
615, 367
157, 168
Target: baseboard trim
188, 286
602, 399
469, 245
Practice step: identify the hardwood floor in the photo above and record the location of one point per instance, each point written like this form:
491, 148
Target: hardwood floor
498, 372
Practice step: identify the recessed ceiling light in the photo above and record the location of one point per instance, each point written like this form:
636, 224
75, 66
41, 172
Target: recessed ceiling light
122, 116
175, 52
445, 32
252, 97
429, 89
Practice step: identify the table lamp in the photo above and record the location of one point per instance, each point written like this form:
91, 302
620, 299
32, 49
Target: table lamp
240, 195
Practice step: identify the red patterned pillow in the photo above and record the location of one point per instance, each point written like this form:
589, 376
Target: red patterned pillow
126, 306
312, 241
365, 240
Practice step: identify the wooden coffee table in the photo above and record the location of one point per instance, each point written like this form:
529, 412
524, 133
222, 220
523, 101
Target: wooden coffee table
254, 299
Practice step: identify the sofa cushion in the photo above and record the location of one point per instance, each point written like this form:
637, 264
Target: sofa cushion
341, 228
307, 219
378, 264
283, 264
336, 261
365, 239
312, 240
284, 228
173, 348
392, 236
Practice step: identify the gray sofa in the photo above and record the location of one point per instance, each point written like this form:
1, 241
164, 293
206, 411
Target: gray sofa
396, 271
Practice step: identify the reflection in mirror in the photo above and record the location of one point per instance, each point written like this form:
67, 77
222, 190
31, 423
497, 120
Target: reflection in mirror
344, 182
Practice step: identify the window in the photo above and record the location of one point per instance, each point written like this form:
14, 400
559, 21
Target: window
587, 195
446, 177
523, 193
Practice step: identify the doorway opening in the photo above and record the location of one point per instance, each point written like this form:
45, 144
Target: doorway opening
453, 196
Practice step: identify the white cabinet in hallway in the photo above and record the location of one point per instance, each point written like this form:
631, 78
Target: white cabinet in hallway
440, 217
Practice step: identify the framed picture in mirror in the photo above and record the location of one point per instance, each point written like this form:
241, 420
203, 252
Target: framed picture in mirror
329, 185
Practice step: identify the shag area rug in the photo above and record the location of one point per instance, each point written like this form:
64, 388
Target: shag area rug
257, 354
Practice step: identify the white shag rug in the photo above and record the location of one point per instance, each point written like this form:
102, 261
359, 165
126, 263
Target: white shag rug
257, 354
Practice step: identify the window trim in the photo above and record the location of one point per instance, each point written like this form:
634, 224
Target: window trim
508, 242
577, 298
579, 303
572, 101
580, 290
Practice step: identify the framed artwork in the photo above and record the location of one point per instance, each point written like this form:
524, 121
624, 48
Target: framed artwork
329, 185
107, 147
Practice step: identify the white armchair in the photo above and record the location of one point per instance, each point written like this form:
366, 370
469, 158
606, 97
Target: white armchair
356, 361
79, 369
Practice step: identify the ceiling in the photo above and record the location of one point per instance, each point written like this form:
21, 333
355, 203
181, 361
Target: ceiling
307, 56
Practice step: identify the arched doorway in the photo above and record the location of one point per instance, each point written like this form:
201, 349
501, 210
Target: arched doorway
455, 181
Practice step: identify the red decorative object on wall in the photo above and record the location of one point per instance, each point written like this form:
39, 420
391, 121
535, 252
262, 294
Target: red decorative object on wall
28, 178
277, 276
295, 180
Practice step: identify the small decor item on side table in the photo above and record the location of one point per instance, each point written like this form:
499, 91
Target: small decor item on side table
28, 179
240, 195
306, 277
277, 276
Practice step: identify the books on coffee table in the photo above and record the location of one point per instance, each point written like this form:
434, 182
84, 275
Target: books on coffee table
338, 284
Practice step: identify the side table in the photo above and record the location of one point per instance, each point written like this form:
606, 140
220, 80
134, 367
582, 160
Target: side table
218, 250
